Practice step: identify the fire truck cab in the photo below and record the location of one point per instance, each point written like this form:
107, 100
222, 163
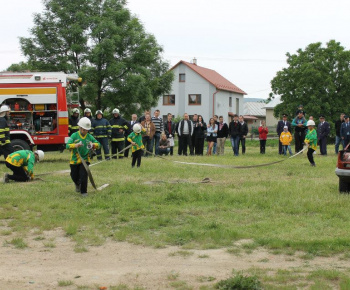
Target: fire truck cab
39, 108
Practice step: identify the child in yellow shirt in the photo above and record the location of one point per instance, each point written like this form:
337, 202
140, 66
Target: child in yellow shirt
286, 138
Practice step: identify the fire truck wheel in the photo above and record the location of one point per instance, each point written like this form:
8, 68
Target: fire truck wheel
343, 186
19, 144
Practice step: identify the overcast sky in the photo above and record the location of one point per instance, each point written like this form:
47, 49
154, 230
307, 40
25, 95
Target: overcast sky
245, 41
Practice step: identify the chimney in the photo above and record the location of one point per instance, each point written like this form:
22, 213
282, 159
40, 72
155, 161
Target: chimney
194, 61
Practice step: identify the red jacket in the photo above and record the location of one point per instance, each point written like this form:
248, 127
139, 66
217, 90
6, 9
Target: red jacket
263, 133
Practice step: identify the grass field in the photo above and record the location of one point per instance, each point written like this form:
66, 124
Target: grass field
286, 207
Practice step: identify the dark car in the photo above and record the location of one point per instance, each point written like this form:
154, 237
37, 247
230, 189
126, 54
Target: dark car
343, 170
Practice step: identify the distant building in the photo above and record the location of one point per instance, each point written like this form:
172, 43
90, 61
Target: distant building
199, 90
270, 107
254, 113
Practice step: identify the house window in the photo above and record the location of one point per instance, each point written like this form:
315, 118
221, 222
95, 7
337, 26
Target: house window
230, 102
194, 99
237, 106
182, 77
169, 100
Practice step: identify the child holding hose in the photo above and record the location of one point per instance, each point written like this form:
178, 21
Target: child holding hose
135, 139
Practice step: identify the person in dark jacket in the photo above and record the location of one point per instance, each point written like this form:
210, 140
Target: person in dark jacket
193, 137
299, 124
200, 129
323, 130
5, 143
242, 133
234, 129
169, 130
185, 131
221, 137
128, 132
101, 130
73, 122
280, 128
88, 114
345, 131
338, 139
119, 127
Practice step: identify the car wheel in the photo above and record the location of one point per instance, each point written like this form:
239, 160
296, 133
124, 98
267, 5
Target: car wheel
19, 144
343, 186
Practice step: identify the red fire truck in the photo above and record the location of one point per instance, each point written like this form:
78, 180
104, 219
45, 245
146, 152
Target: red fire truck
39, 105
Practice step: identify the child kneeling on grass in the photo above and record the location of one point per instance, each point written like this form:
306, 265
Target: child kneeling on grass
81, 142
311, 140
285, 139
22, 165
135, 138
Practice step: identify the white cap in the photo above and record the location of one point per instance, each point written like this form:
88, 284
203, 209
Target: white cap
137, 128
85, 123
5, 108
98, 112
285, 127
75, 111
87, 110
40, 154
115, 111
310, 123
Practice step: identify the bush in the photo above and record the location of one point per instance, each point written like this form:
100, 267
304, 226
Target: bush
239, 282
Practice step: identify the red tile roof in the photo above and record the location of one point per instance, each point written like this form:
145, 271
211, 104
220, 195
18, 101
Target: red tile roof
212, 77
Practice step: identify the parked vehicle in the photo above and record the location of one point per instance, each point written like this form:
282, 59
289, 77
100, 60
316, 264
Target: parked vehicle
39, 108
343, 170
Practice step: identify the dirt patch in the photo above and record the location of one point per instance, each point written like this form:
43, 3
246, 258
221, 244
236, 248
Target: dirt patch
51, 259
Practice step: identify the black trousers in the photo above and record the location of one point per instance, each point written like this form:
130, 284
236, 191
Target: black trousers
299, 138
117, 145
262, 146
6, 149
147, 142
105, 146
136, 155
19, 174
310, 155
280, 147
323, 146
242, 142
199, 145
185, 141
193, 145
126, 152
79, 176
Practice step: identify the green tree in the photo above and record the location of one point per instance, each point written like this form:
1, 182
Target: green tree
316, 77
20, 67
104, 43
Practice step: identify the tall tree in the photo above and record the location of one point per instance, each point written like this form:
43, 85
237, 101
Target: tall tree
104, 43
316, 77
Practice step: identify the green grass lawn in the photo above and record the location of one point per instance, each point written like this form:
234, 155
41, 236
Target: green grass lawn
288, 206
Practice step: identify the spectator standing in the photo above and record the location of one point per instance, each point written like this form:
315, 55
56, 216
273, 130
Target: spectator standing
164, 145
222, 135
101, 130
143, 117
345, 131
150, 131
73, 122
158, 123
285, 139
212, 131
215, 142
119, 127
234, 129
338, 139
263, 131
131, 124
169, 130
185, 132
5, 143
88, 114
323, 130
299, 123
193, 137
200, 129
280, 129
242, 133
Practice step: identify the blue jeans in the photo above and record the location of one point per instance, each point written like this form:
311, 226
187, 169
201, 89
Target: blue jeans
338, 141
155, 143
285, 148
235, 144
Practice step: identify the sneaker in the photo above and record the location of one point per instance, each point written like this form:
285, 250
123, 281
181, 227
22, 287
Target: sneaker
77, 187
84, 194
6, 178
313, 164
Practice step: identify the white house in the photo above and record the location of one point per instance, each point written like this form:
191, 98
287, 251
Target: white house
270, 118
199, 90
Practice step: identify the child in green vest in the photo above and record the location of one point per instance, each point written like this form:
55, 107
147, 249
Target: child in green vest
135, 138
83, 142
311, 140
